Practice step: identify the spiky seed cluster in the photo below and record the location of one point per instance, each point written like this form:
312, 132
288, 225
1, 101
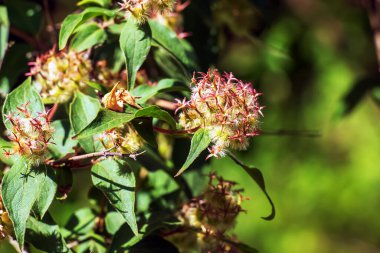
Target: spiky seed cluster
213, 213
143, 9
6, 226
124, 140
224, 105
59, 75
30, 134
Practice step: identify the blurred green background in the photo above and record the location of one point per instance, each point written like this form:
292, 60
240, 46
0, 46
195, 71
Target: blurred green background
316, 65
315, 62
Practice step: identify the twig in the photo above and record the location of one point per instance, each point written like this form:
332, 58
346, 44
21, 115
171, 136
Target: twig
51, 26
283, 132
166, 104
168, 131
28, 39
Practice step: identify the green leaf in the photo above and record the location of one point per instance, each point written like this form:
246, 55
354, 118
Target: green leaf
16, 64
20, 189
72, 21
200, 141
46, 193
108, 119
167, 39
23, 94
6, 146
114, 221
80, 223
124, 239
63, 143
105, 120
87, 36
171, 67
67, 28
135, 42
4, 32
165, 85
102, 3
116, 179
156, 112
83, 110
45, 235
27, 16
97, 86
258, 177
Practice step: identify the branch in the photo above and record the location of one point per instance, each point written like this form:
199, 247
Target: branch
26, 37
284, 132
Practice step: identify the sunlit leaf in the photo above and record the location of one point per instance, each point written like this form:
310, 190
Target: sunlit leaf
258, 177
22, 95
46, 193
165, 85
117, 181
83, 110
87, 36
20, 189
108, 119
72, 21
200, 141
135, 42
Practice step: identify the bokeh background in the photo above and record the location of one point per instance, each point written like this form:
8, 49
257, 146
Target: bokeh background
315, 61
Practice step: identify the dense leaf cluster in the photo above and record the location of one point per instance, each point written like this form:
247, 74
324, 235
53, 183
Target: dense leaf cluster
135, 193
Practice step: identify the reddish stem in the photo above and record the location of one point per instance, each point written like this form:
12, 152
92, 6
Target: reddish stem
52, 111
168, 131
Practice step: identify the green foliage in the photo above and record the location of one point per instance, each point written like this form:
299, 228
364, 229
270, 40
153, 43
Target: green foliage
24, 94
87, 36
166, 39
117, 181
83, 110
146, 92
135, 42
46, 235
4, 30
107, 119
21, 188
200, 141
114, 200
73, 21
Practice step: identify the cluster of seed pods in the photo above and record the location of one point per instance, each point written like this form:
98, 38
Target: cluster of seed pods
210, 216
29, 134
226, 106
143, 9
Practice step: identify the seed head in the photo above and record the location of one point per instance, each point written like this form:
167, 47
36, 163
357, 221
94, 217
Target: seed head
207, 218
30, 135
58, 75
124, 139
226, 106
143, 9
